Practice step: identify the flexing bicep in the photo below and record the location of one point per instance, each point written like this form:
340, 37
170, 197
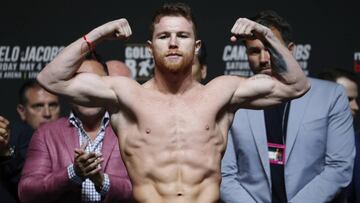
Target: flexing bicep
262, 91
88, 89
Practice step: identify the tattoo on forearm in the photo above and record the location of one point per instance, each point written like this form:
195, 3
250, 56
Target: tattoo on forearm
277, 61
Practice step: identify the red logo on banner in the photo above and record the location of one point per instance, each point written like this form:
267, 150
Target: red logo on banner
357, 66
357, 62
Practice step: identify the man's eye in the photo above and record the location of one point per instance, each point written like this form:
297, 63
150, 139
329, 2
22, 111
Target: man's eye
351, 99
53, 106
253, 51
163, 36
37, 107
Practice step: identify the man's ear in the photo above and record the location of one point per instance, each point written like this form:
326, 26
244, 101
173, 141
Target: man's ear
203, 72
149, 46
21, 111
291, 46
197, 46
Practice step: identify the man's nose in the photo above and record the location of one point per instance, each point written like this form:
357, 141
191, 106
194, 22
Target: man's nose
264, 56
173, 41
46, 112
354, 105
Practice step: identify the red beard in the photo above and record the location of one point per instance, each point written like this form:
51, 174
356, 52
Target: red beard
165, 62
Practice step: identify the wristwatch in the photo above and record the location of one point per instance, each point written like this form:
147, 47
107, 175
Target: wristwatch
9, 155
12, 151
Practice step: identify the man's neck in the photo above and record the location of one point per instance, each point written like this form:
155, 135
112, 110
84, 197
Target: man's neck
173, 82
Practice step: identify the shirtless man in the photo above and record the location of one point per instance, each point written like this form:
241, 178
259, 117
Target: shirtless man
172, 130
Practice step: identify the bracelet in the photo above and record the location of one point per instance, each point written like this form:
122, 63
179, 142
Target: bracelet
91, 47
88, 43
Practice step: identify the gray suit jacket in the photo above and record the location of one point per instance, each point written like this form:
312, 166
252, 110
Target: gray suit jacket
319, 150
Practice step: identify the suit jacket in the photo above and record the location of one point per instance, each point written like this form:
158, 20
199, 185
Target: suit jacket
354, 196
319, 150
10, 168
51, 151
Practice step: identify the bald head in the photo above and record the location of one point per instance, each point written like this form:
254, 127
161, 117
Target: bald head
92, 66
118, 68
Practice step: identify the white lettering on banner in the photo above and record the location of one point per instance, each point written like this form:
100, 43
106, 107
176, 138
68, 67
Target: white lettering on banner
302, 52
40, 53
131, 63
8, 54
8, 66
234, 53
139, 60
27, 66
357, 56
18, 62
12, 75
302, 55
32, 75
145, 68
137, 52
236, 61
242, 65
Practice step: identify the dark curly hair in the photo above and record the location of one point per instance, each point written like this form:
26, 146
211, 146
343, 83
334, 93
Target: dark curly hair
270, 18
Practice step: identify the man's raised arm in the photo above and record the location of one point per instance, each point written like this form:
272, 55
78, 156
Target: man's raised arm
279, 80
59, 75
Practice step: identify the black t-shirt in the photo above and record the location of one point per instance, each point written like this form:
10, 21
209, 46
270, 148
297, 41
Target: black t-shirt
276, 124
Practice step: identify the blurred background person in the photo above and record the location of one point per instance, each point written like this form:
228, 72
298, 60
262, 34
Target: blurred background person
301, 151
77, 159
350, 82
116, 67
199, 68
36, 106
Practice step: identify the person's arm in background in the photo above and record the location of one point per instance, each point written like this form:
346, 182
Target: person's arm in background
14, 142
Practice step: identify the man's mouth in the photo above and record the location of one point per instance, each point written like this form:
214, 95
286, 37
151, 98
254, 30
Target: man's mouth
173, 54
267, 71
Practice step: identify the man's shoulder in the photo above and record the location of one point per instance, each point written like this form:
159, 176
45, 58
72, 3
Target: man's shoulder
20, 127
319, 83
324, 88
225, 78
224, 84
